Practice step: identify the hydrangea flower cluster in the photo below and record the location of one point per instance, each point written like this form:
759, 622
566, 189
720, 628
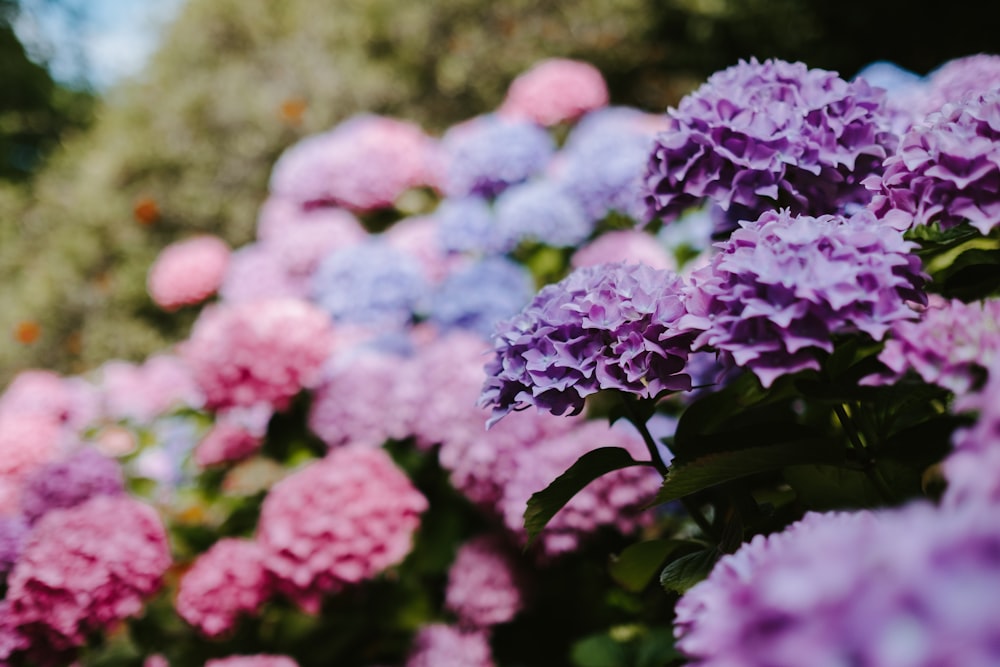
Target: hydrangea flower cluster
915, 587
440, 645
783, 286
27, 442
555, 91
362, 401
629, 246
486, 155
466, 224
257, 352
363, 164
945, 170
188, 272
13, 534
371, 284
84, 569
602, 162
338, 521
70, 482
766, 134
235, 435
611, 326
539, 211
951, 345
227, 580
71, 403
973, 468
253, 661
480, 295
142, 392
483, 588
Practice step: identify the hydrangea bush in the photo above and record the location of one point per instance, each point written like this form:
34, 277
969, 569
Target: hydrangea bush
496, 398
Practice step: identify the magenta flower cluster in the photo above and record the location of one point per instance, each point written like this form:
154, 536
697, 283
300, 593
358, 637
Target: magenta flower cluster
337, 521
70, 482
610, 326
226, 581
766, 134
483, 583
783, 287
258, 351
915, 587
950, 345
83, 569
946, 170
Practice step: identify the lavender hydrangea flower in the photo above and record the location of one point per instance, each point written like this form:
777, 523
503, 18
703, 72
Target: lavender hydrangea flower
372, 283
915, 587
610, 326
783, 286
603, 161
951, 345
480, 295
487, 154
69, 483
540, 211
946, 170
465, 224
762, 135
13, 533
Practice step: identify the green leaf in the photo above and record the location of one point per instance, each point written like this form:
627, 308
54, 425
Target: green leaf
598, 651
686, 571
974, 274
544, 505
657, 649
636, 566
685, 479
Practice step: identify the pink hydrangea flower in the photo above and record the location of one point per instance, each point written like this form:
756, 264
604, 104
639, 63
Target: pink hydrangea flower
338, 521
256, 271
440, 645
142, 392
188, 272
363, 164
483, 587
69, 401
278, 216
631, 246
554, 91
84, 569
615, 500
27, 442
227, 580
363, 401
258, 352
236, 434
253, 661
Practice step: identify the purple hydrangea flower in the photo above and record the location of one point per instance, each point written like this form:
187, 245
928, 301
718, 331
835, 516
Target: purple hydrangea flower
784, 285
372, 284
480, 295
951, 345
487, 154
603, 161
973, 468
610, 326
68, 483
762, 135
13, 532
947, 170
915, 587
539, 211
465, 224
957, 79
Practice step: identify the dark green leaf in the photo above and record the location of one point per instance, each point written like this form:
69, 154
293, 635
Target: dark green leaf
686, 571
683, 480
544, 505
974, 274
636, 566
657, 649
598, 651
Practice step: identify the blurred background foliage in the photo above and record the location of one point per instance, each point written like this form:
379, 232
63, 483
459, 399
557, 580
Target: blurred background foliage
188, 145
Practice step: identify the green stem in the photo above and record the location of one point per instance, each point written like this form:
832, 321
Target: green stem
647, 437
849, 427
868, 466
693, 510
